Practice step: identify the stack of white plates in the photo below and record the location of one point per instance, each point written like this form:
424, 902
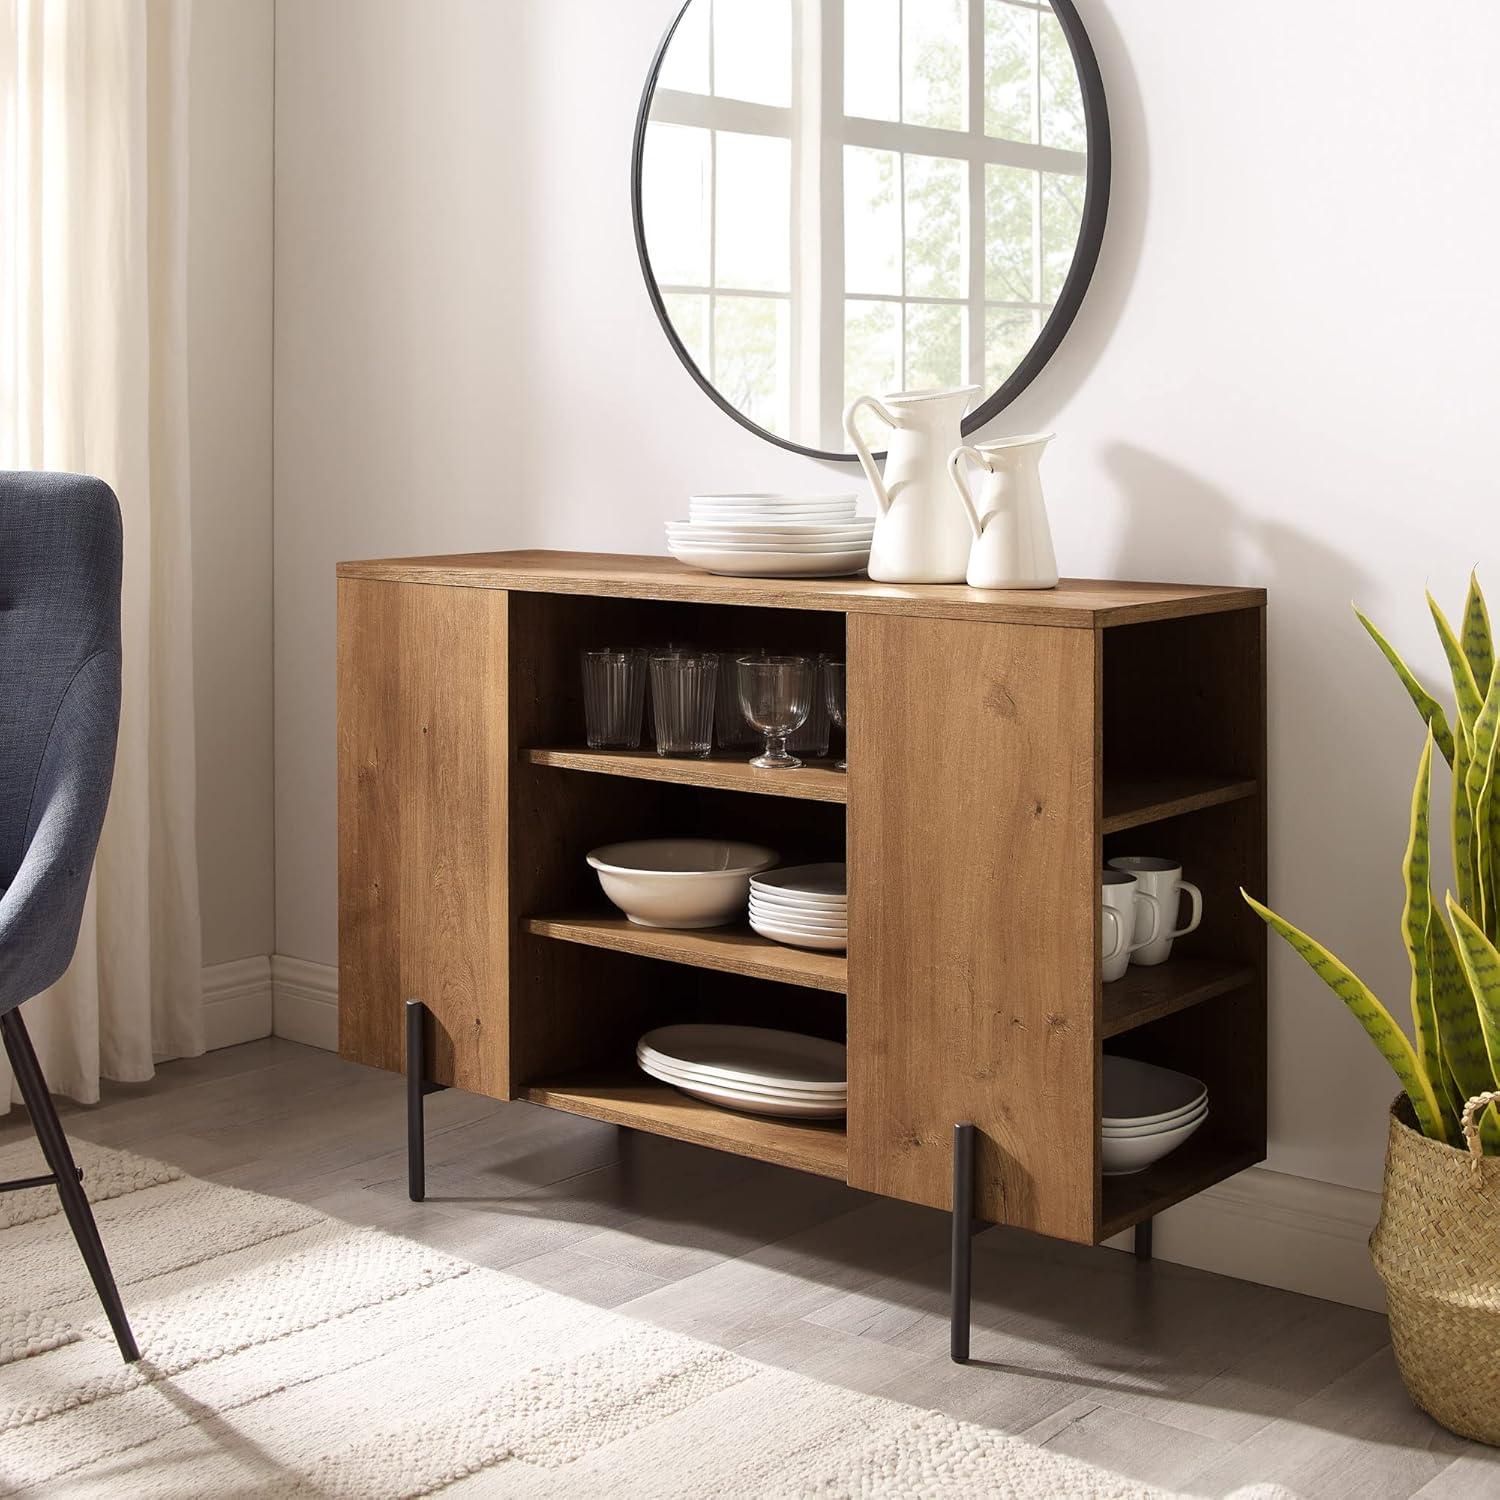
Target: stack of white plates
772, 536
805, 905
751, 1068
1148, 1111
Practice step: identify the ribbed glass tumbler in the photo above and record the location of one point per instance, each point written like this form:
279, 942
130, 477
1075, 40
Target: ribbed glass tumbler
812, 738
683, 687
614, 691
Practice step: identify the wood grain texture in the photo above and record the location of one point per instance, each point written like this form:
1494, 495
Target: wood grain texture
815, 781
1132, 801
973, 915
1145, 994
644, 1104
1083, 603
730, 950
422, 773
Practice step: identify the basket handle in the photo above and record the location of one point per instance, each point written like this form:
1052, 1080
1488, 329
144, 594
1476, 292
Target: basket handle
1472, 1110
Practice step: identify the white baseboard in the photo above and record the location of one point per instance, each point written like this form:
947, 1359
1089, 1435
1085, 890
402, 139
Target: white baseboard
1283, 1231
1289, 1232
305, 1005
237, 1002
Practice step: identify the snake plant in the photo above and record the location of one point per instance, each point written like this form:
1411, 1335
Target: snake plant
1453, 1052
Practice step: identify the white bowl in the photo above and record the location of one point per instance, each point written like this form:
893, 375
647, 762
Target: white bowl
1132, 1132
1141, 1093
1122, 1155
680, 882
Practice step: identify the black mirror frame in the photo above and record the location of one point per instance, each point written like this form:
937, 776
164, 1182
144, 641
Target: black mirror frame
1064, 310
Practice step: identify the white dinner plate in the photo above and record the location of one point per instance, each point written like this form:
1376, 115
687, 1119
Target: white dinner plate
825, 884
777, 512
693, 1076
737, 544
793, 937
790, 531
797, 921
772, 905
774, 564
751, 1054
749, 1104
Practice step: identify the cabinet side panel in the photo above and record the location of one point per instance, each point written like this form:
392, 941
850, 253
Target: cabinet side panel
973, 914
424, 759
369, 819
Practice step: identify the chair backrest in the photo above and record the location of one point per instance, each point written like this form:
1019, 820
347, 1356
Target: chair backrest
61, 551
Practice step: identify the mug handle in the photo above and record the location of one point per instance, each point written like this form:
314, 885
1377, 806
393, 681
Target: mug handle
1196, 896
862, 448
1155, 906
1116, 944
961, 484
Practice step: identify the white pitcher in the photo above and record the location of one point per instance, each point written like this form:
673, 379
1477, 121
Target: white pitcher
1011, 541
919, 537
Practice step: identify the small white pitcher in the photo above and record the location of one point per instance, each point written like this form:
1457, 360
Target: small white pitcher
1012, 543
918, 537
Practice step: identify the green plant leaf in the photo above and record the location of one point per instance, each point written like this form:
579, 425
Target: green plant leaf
1378, 1022
1479, 645
1482, 969
1428, 706
1416, 917
1479, 779
1466, 1060
1481, 965
1463, 821
1465, 689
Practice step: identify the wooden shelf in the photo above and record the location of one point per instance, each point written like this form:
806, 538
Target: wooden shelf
817, 781
641, 1103
1204, 1160
1133, 801
1145, 994
731, 950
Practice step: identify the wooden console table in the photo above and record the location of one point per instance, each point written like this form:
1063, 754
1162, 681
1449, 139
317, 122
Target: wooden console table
1001, 747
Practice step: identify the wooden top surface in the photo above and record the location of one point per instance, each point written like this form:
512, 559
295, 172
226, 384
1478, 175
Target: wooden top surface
1087, 603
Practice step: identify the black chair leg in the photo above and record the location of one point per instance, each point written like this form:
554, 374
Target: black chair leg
75, 1203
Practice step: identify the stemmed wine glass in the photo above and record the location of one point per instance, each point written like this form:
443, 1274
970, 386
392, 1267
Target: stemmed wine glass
836, 686
776, 696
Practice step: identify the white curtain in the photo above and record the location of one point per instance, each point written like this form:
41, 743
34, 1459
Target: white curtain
93, 379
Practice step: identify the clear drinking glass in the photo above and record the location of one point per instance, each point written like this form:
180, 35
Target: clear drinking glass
835, 694
732, 731
775, 694
614, 690
812, 738
683, 687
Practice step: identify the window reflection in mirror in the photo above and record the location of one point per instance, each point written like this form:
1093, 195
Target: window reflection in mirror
860, 197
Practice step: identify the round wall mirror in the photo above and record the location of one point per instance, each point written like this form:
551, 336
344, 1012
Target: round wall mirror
841, 197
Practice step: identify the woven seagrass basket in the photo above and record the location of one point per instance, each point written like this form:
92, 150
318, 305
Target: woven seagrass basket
1437, 1248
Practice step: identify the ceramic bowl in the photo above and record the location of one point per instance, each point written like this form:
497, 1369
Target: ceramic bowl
1127, 1132
680, 882
1121, 1155
1142, 1093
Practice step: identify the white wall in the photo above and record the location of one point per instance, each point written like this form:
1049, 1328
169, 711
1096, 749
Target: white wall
229, 331
1283, 375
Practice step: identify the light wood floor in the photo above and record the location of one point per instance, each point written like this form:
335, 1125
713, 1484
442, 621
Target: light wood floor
1170, 1375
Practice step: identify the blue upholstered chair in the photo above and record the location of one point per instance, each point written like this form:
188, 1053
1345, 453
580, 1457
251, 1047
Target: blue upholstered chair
60, 558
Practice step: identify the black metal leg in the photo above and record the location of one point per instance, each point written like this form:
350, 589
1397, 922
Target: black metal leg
75, 1203
963, 1244
416, 1067
1143, 1240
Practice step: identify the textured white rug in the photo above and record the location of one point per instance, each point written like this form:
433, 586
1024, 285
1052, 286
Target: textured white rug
287, 1353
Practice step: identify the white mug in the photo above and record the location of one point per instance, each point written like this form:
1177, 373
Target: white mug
1161, 878
1125, 903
